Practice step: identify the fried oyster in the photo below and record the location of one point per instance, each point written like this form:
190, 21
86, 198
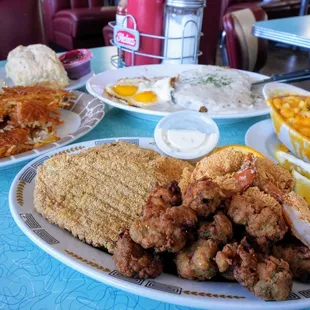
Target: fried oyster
134, 261
298, 257
227, 218
164, 226
260, 213
266, 276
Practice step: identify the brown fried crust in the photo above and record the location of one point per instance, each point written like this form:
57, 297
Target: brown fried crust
133, 261
260, 213
98, 193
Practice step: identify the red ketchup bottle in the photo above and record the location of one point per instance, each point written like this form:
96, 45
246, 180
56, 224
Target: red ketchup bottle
149, 16
121, 12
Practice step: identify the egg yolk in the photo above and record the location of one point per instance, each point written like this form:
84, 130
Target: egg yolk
146, 97
125, 90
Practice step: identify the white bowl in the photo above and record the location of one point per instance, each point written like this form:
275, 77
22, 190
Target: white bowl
185, 124
297, 143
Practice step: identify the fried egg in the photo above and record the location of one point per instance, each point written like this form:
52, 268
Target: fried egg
141, 92
127, 87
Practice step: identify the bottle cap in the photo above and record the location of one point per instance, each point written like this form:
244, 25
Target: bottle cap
186, 3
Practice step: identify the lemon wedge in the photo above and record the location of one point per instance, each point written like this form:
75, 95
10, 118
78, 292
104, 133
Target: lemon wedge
291, 163
241, 148
302, 185
300, 171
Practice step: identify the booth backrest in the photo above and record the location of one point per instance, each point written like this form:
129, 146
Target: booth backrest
51, 7
20, 24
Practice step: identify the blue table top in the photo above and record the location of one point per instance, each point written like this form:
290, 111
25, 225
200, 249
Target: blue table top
32, 279
292, 30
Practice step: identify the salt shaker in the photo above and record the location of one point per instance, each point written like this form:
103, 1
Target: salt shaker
183, 18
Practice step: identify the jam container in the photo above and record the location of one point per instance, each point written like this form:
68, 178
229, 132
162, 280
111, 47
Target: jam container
188, 135
76, 63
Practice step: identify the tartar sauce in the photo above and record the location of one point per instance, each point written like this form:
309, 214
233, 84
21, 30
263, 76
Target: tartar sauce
186, 140
186, 135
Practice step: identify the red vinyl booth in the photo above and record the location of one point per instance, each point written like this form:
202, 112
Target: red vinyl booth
236, 45
76, 23
21, 23
273, 8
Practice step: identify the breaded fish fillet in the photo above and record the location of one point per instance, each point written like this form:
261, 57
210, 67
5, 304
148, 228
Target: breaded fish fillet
98, 193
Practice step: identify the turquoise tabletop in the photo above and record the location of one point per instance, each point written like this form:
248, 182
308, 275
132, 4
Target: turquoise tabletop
32, 279
292, 30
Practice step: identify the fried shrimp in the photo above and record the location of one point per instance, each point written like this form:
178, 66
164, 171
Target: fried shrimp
164, 226
133, 261
297, 215
225, 162
231, 170
222, 166
270, 177
197, 261
261, 215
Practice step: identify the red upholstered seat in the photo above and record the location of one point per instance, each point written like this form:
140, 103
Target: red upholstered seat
80, 23
76, 23
20, 24
273, 8
241, 53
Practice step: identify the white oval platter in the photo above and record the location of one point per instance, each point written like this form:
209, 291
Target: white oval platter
100, 266
84, 115
97, 83
261, 137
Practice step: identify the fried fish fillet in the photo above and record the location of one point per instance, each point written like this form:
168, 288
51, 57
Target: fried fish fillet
98, 193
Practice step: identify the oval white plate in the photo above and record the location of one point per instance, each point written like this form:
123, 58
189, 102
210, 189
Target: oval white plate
100, 266
261, 137
96, 85
83, 116
74, 84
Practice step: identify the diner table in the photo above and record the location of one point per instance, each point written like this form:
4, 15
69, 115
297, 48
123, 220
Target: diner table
32, 279
292, 30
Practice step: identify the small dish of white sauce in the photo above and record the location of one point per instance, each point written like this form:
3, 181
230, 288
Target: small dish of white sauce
186, 135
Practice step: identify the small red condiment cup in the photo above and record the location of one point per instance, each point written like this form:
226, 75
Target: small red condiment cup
76, 62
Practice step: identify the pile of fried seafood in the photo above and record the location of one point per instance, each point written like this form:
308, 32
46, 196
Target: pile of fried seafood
224, 219
29, 116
